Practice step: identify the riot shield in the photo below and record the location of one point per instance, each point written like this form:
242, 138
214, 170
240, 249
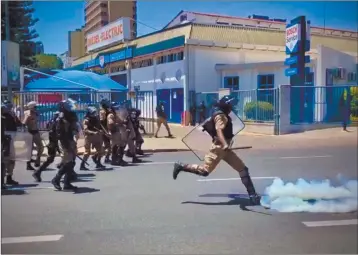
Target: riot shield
199, 141
122, 113
20, 149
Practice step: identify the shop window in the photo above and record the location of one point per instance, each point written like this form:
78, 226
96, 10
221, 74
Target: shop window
265, 85
170, 58
142, 63
231, 82
180, 56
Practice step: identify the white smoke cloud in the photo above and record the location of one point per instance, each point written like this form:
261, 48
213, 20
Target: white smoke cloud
312, 196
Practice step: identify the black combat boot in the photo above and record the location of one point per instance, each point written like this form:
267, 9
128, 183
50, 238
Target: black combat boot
107, 160
10, 181
29, 166
120, 157
179, 167
83, 166
98, 163
129, 154
57, 179
95, 158
247, 181
37, 173
67, 180
139, 150
37, 162
115, 159
136, 160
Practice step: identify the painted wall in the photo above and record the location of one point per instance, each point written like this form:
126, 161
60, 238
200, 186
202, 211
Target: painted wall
202, 63
157, 77
329, 59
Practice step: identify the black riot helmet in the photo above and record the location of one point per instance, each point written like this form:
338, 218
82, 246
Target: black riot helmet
66, 106
225, 104
105, 103
91, 112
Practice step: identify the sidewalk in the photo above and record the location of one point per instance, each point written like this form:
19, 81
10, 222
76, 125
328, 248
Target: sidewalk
245, 140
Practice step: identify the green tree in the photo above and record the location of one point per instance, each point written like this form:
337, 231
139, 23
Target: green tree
48, 61
21, 23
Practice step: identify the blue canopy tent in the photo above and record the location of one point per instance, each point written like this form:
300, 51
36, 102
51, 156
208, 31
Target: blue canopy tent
87, 88
74, 80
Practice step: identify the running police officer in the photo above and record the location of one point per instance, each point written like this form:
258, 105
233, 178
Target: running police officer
220, 127
11, 123
30, 121
103, 114
93, 137
52, 147
66, 128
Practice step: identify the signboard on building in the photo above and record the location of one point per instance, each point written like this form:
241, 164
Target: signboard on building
10, 64
114, 32
292, 38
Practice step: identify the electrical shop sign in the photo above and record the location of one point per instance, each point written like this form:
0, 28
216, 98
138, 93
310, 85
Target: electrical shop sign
292, 38
117, 31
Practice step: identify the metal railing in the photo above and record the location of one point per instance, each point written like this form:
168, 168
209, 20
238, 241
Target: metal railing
324, 104
48, 104
259, 105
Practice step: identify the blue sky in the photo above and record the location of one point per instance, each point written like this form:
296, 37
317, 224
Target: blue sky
57, 18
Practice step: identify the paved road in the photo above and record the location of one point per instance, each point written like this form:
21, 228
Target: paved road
137, 210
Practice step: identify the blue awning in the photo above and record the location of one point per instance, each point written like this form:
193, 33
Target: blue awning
80, 81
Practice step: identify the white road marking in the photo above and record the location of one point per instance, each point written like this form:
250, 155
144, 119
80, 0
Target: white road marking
306, 157
156, 163
234, 179
147, 163
31, 239
312, 224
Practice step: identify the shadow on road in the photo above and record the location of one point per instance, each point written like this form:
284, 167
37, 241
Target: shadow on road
236, 199
82, 190
6, 192
85, 175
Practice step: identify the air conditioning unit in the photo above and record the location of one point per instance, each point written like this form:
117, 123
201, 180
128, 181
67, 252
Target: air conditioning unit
352, 76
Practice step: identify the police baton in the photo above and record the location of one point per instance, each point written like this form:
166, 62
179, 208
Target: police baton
82, 160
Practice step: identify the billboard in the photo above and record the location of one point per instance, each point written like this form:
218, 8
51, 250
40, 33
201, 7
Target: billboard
10, 64
116, 31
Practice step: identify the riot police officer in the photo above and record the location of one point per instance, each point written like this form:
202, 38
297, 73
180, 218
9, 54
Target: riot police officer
220, 128
52, 147
31, 122
93, 136
129, 136
117, 130
66, 128
11, 123
103, 114
134, 117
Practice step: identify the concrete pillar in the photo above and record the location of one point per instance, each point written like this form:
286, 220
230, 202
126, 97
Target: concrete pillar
285, 109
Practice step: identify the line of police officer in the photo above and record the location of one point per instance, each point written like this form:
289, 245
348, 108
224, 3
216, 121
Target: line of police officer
116, 126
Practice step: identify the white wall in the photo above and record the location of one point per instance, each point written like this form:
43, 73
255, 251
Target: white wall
329, 59
149, 79
203, 60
